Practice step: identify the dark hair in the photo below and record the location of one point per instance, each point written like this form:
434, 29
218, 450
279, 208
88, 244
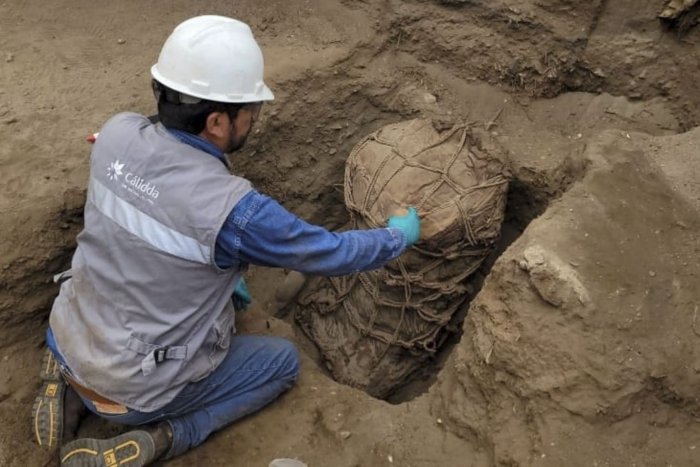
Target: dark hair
185, 113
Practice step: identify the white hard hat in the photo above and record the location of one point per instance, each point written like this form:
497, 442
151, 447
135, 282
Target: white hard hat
214, 58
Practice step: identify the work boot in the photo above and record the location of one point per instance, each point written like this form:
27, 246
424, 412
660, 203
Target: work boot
58, 409
135, 448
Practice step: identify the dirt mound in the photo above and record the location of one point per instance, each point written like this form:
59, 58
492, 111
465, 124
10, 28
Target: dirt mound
586, 328
681, 14
545, 48
537, 47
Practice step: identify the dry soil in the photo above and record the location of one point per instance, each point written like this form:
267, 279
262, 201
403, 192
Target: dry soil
581, 346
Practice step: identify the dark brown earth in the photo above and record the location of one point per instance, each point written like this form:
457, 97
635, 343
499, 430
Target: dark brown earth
580, 349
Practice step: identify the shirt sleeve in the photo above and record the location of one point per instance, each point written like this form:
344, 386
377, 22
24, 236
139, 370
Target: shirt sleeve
260, 231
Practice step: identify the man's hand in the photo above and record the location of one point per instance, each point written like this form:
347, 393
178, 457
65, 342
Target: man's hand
241, 296
408, 222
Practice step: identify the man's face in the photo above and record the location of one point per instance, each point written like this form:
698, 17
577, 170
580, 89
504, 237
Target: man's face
242, 125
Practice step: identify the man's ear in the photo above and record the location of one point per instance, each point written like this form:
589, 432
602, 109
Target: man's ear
217, 124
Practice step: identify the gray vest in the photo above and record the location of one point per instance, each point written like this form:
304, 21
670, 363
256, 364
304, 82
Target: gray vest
147, 310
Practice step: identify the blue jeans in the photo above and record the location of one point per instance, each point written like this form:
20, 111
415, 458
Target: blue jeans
256, 370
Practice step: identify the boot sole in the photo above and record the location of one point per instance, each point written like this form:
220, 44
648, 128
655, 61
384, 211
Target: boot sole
47, 414
50, 370
47, 411
132, 449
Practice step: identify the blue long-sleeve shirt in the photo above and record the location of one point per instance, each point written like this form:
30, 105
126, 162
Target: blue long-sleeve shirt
260, 231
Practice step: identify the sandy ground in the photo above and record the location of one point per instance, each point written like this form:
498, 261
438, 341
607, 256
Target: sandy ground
581, 348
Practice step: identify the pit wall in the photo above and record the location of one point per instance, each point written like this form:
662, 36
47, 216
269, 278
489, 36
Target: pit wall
581, 343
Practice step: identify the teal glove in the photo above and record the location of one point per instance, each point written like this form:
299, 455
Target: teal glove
408, 223
241, 296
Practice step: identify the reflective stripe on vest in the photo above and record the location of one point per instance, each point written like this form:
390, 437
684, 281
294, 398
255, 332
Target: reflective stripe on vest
146, 228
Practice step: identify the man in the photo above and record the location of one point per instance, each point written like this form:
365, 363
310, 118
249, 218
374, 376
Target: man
142, 327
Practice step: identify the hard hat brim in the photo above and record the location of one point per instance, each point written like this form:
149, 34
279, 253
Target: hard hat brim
264, 93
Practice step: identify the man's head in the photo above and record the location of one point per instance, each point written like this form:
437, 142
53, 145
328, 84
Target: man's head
209, 80
225, 124
229, 130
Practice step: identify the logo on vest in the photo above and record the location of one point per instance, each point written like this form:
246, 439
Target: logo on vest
133, 183
141, 185
114, 170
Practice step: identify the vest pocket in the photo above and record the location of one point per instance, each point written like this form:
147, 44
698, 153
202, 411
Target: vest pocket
224, 329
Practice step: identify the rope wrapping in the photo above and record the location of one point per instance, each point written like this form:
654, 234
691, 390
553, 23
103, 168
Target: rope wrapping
376, 328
